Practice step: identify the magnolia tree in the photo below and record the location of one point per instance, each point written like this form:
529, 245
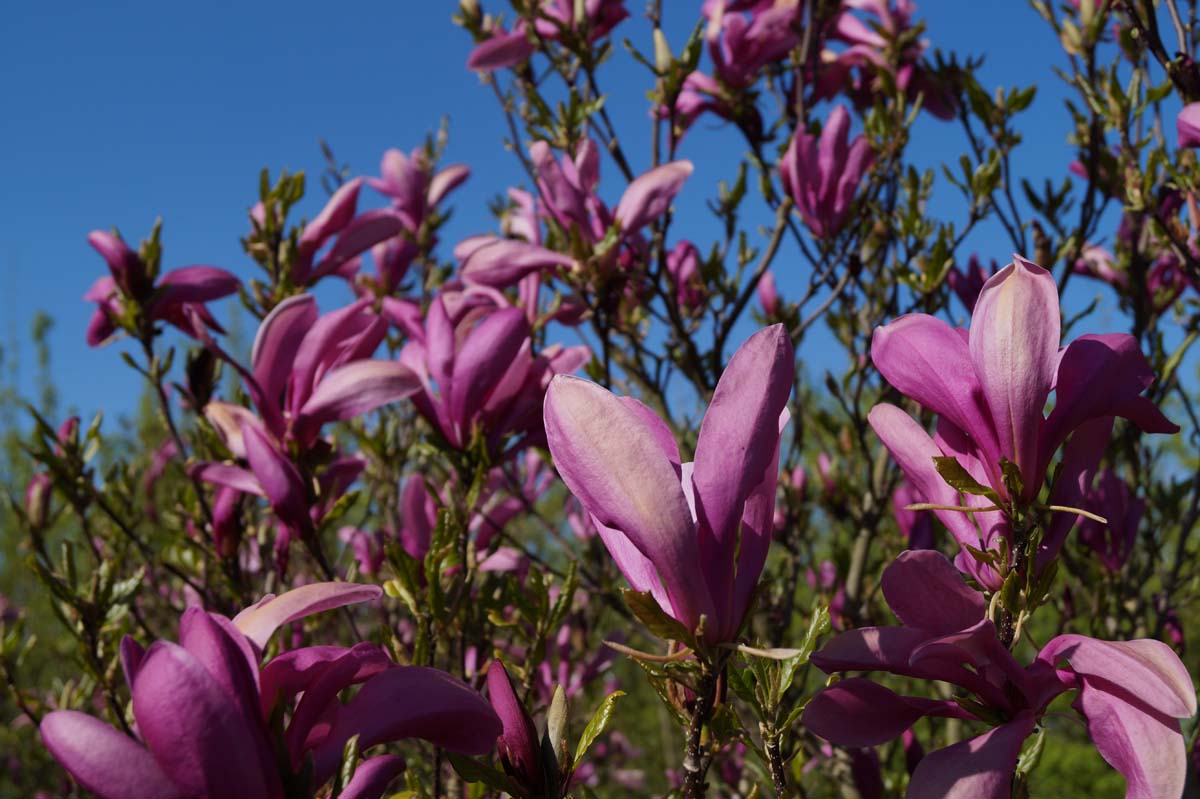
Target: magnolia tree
838, 508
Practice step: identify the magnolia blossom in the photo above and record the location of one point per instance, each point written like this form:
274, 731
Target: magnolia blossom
478, 372
306, 370
694, 535
989, 386
1112, 499
967, 284
567, 199
822, 175
683, 266
177, 298
203, 710
1131, 693
508, 48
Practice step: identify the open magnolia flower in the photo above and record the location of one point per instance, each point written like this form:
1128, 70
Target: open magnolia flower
989, 386
203, 708
1130, 692
694, 535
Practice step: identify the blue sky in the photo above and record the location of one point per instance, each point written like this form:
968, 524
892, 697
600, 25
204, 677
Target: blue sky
120, 114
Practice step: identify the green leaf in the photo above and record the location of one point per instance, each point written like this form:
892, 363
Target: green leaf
596, 726
1012, 477
645, 607
474, 771
958, 478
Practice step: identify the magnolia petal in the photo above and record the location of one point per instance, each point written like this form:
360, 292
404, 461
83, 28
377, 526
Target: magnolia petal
649, 195
519, 738
1146, 747
355, 389
858, 712
364, 232
504, 262
104, 761
195, 730
411, 702
1145, 669
485, 357
372, 777
293, 671
1187, 125
501, 50
633, 565
929, 361
1015, 331
739, 439
229, 662
194, 284
277, 340
336, 214
926, 592
279, 478
228, 475
260, 621
610, 460
979, 768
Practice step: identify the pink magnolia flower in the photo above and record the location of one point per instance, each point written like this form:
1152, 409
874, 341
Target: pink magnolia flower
306, 371
683, 266
413, 187
967, 284
1113, 542
348, 233
177, 298
694, 535
822, 175
915, 525
479, 374
1187, 125
506, 49
1130, 692
989, 386
567, 198
518, 745
1096, 261
203, 709
768, 296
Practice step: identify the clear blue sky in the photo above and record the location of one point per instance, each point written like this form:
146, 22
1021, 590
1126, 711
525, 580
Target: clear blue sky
116, 115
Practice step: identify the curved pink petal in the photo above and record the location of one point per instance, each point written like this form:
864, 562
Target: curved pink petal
929, 361
277, 340
364, 232
229, 660
1145, 669
336, 214
738, 442
925, 591
293, 671
279, 478
446, 181
609, 458
859, 712
504, 262
228, 475
1015, 331
411, 702
1187, 125
372, 777
194, 728
979, 768
501, 50
485, 358
1146, 747
194, 284
104, 761
352, 390
260, 621
649, 195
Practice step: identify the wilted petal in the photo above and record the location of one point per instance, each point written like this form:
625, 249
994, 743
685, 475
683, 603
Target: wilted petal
372, 777
609, 459
979, 768
649, 196
411, 702
194, 728
1015, 330
925, 591
259, 621
858, 712
1146, 669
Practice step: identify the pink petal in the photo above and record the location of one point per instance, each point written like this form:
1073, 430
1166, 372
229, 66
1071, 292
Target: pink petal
978, 768
372, 777
925, 591
102, 760
649, 196
1015, 331
858, 712
259, 621
277, 340
352, 390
